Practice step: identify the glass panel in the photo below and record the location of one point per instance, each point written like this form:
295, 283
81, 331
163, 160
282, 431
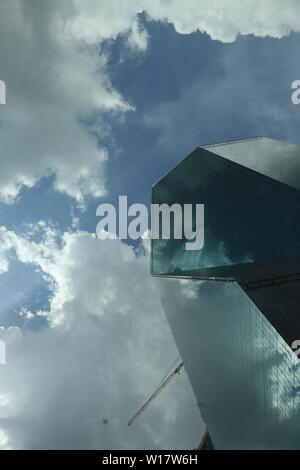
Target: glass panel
273, 158
241, 370
249, 217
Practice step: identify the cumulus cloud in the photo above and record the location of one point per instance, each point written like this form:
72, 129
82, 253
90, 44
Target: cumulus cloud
94, 20
225, 20
57, 78
54, 84
106, 348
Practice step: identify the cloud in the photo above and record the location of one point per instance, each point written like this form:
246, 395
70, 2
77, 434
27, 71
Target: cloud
57, 80
54, 85
138, 37
223, 21
106, 348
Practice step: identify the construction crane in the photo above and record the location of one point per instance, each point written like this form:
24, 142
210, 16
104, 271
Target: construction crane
160, 387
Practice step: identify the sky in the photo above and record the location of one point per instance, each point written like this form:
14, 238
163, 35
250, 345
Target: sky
102, 98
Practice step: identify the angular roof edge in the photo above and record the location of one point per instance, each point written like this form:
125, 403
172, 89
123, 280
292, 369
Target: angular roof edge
206, 146
226, 142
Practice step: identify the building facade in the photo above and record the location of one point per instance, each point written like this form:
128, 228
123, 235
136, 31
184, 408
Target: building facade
234, 305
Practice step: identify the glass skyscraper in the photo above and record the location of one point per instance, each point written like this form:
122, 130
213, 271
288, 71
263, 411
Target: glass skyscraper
234, 305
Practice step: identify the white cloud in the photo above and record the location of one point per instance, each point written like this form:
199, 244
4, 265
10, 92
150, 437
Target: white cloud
52, 82
96, 20
56, 76
107, 347
225, 20
138, 37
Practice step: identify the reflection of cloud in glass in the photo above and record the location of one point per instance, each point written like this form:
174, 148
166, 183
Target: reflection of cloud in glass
238, 365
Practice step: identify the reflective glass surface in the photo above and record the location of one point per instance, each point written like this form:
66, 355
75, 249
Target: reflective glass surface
242, 372
280, 304
273, 158
252, 210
